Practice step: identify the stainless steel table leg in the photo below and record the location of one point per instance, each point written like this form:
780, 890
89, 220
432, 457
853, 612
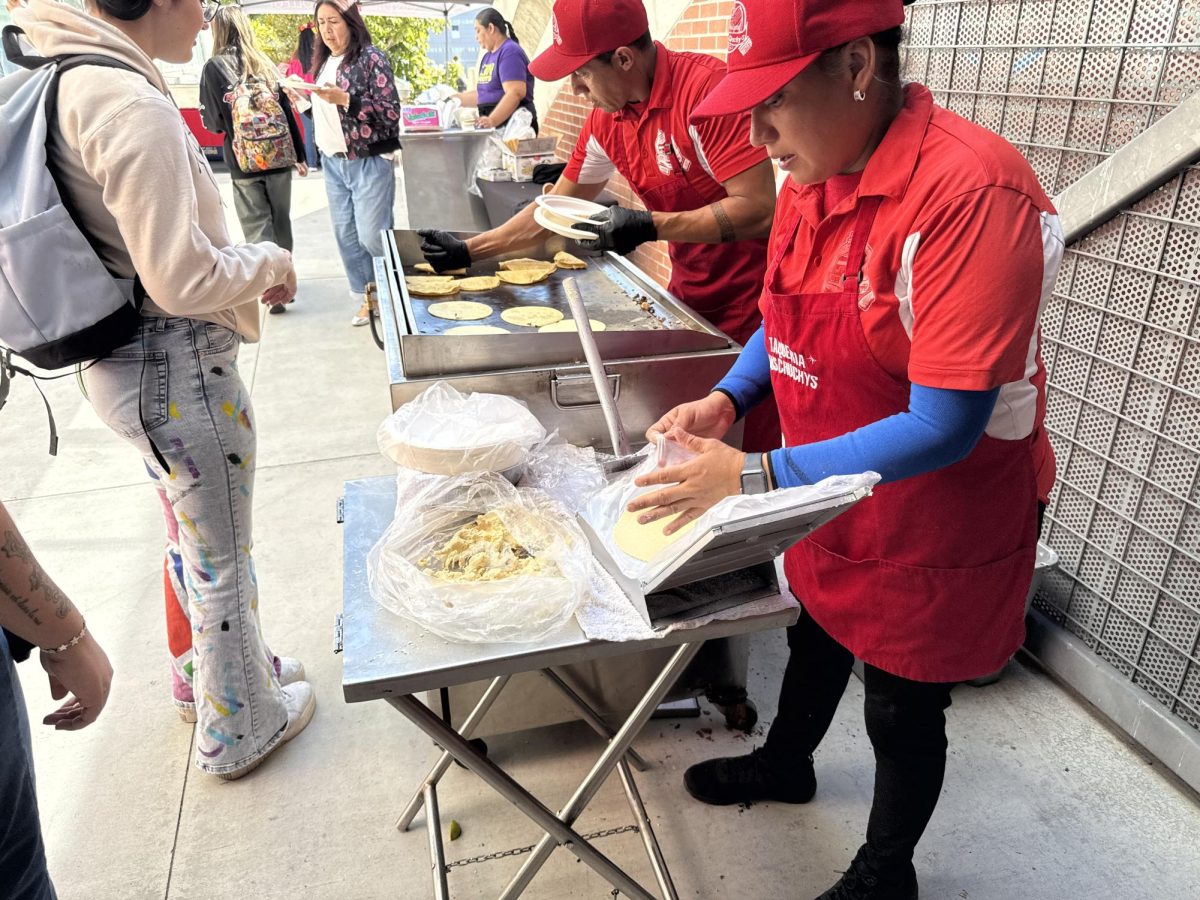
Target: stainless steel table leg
590, 716
503, 784
443, 763
600, 771
437, 856
661, 874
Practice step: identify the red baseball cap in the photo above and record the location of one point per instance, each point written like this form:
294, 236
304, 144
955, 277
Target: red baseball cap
583, 29
773, 41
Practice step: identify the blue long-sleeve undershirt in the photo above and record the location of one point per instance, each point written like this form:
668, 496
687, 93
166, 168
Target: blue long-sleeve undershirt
940, 427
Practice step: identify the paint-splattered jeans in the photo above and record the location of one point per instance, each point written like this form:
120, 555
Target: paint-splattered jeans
177, 381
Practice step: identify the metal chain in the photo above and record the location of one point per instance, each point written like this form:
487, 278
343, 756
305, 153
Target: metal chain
517, 851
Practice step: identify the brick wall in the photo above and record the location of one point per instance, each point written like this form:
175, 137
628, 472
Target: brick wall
702, 28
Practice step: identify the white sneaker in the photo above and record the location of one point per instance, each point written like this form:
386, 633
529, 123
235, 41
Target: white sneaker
290, 670
363, 316
301, 703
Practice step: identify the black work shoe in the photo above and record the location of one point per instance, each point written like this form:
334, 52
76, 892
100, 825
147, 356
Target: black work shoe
863, 882
749, 779
276, 309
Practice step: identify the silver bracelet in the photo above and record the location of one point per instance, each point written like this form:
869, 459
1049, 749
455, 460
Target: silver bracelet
69, 644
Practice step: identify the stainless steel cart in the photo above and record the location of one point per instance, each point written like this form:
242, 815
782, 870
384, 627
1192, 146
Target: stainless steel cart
386, 657
657, 352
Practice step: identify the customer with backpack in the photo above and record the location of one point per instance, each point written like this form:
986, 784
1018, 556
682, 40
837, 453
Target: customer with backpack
241, 98
357, 117
143, 192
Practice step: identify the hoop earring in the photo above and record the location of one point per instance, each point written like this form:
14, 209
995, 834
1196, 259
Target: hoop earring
859, 96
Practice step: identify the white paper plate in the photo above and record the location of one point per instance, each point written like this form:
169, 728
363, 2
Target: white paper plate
576, 209
551, 222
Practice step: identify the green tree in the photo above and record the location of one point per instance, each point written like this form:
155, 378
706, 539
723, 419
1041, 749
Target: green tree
404, 41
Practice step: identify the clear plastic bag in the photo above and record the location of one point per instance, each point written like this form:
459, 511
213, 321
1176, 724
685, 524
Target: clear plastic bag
519, 126
566, 473
445, 432
429, 511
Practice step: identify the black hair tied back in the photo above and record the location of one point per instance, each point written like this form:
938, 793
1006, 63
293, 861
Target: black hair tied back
491, 16
125, 10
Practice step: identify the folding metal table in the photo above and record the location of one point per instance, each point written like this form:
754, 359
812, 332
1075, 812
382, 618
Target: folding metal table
388, 658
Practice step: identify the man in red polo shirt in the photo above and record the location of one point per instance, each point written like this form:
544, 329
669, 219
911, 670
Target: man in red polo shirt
708, 193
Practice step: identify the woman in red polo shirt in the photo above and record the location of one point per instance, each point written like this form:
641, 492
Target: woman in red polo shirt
910, 255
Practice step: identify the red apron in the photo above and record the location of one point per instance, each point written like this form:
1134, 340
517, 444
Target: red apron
927, 578
721, 282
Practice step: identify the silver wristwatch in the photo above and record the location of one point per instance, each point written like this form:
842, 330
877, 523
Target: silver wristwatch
754, 478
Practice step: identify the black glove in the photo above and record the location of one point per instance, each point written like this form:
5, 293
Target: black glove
443, 250
620, 229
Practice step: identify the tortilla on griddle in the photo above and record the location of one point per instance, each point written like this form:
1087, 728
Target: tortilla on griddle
513, 265
524, 277
460, 310
478, 283
531, 316
565, 260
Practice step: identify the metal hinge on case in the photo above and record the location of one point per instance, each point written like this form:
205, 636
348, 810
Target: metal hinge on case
341, 510
337, 633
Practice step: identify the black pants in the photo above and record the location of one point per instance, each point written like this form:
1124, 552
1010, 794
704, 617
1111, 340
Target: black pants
906, 723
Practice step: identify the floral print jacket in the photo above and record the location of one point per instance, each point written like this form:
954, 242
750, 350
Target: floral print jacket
371, 124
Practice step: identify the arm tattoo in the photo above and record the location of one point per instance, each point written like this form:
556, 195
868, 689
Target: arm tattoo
14, 547
723, 222
21, 601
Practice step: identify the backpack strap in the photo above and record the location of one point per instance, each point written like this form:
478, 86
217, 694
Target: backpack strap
10, 39
65, 64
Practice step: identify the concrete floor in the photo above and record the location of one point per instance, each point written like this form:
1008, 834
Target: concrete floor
1041, 799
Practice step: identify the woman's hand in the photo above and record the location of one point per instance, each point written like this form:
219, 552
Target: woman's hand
331, 93
695, 486
84, 672
711, 417
484, 122
283, 292
301, 169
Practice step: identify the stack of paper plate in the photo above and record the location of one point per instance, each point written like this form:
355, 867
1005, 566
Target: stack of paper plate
560, 214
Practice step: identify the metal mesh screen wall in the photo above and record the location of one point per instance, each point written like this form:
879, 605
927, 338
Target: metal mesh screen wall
1069, 82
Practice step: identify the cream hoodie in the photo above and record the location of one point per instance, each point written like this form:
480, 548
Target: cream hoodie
143, 190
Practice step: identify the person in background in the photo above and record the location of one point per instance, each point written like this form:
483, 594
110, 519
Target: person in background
505, 83
357, 117
911, 255
144, 194
262, 199
35, 613
708, 194
298, 67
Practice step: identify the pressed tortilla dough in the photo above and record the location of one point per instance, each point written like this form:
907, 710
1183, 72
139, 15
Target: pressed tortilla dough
569, 325
531, 316
459, 310
476, 329
645, 542
431, 285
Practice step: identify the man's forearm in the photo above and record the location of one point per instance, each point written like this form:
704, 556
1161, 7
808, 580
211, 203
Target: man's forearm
31, 605
731, 219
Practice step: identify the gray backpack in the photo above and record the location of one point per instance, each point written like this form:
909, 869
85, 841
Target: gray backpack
59, 305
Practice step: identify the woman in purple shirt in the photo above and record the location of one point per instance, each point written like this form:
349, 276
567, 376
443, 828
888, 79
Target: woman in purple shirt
505, 84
